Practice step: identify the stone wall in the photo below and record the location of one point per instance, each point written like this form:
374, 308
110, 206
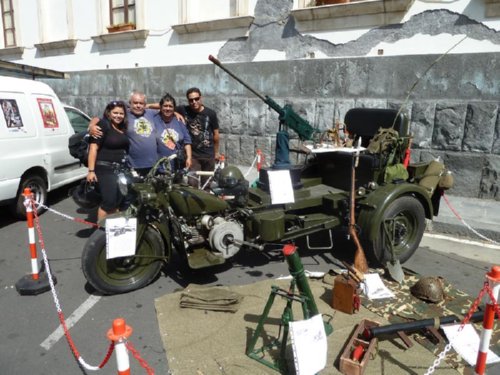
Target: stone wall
453, 104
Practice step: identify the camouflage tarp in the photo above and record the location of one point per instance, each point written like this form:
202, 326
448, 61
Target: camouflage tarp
405, 307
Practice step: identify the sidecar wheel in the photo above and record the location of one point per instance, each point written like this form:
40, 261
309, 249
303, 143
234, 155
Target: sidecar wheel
409, 220
121, 275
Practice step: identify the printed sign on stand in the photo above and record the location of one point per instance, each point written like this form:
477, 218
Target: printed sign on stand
120, 237
280, 186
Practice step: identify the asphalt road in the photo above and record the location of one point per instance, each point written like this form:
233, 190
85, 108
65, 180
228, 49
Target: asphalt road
30, 342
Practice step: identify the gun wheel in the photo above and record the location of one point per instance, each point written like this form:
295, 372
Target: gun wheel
405, 217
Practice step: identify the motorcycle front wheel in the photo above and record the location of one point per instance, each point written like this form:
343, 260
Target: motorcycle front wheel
125, 274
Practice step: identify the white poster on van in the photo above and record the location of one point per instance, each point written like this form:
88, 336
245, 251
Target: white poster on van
11, 114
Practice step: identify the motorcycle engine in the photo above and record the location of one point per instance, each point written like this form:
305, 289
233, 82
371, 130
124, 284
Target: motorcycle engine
222, 237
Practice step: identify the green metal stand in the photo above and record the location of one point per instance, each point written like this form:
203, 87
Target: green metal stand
309, 309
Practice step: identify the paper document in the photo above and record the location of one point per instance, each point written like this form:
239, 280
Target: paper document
280, 186
466, 343
120, 237
374, 287
309, 345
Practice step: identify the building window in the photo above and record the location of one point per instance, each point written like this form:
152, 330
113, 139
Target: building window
122, 11
202, 10
9, 32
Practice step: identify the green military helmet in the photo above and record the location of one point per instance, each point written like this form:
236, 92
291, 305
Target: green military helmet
230, 176
429, 289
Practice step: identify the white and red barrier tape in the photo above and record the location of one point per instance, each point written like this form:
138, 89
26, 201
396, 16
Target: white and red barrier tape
72, 218
255, 160
466, 224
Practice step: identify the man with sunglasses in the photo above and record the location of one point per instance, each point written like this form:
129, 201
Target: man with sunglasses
203, 127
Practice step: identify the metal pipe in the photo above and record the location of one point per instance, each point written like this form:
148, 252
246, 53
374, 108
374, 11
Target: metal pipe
416, 325
297, 271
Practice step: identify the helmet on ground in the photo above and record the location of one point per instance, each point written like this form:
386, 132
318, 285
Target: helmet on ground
229, 177
86, 195
430, 289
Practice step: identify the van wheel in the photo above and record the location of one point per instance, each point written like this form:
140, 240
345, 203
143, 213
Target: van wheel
38, 187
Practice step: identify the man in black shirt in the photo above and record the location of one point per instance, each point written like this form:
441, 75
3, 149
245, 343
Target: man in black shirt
203, 126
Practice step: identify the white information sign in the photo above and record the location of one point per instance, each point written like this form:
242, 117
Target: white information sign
120, 237
280, 186
310, 347
466, 343
374, 287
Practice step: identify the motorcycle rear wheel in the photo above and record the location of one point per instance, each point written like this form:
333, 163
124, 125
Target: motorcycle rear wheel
121, 275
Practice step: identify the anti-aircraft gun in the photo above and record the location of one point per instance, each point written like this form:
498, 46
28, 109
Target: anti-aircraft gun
288, 118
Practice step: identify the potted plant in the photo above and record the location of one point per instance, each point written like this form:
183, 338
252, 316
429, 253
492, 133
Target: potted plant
121, 27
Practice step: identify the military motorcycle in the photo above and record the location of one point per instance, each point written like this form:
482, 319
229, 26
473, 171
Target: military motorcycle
205, 228
384, 204
210, 228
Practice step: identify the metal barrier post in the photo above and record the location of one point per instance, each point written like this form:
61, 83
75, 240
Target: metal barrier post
38, 281
489, 320
119, 334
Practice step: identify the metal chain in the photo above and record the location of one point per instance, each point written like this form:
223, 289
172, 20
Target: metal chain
60, 314
493, 300
438, 360
471, 311
139, 359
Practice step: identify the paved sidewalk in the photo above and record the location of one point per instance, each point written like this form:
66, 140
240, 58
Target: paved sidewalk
482, 215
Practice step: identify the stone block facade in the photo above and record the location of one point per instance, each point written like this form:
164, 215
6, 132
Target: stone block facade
452, 116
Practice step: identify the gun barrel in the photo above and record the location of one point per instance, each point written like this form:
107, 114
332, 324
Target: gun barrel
297, 271
417, 325
219, 64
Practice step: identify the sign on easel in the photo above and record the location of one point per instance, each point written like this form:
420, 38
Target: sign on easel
280, 186
310, 347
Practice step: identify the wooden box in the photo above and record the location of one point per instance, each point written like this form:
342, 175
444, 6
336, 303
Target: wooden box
349, 366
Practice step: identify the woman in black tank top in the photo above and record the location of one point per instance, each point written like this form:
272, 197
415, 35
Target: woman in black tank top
108, 153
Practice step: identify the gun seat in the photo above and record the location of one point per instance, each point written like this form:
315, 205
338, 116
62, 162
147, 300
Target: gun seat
335, 168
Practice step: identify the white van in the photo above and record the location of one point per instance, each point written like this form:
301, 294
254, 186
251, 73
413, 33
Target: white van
34, 132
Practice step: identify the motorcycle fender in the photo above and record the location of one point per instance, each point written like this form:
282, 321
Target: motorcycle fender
163, 230
376, 202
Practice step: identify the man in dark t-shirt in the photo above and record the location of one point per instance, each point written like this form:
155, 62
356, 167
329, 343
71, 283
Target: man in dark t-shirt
203, 127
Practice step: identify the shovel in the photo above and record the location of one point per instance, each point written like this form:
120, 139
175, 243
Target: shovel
393, 266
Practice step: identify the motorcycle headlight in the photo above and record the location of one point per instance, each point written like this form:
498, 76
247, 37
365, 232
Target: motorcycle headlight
123, 183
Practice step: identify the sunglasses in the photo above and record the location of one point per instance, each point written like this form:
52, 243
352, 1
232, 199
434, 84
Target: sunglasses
116, 103
192, 100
